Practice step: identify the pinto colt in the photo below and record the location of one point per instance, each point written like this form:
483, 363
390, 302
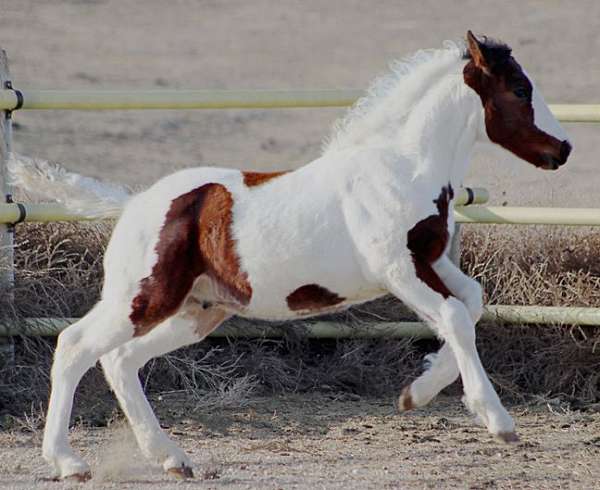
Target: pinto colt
370, 216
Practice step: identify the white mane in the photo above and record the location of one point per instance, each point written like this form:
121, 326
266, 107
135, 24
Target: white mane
391, 97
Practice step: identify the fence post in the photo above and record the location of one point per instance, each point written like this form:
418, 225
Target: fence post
7, 275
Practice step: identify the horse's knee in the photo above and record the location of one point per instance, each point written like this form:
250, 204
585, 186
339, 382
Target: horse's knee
456, 322
70, 351
470, 292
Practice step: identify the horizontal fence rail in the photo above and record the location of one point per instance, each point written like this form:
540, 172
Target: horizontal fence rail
549, 315
178, 99
49, 212
589, 113
219, 99
506, 215
268, 99
46, 213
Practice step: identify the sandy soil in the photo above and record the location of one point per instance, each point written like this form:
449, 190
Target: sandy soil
238, 44
320, 441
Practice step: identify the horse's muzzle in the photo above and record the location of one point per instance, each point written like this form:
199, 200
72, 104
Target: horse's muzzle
553, 162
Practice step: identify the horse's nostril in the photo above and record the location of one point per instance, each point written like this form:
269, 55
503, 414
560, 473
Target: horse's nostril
565, 151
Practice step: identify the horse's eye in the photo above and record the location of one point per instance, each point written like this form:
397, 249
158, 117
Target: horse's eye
521, 93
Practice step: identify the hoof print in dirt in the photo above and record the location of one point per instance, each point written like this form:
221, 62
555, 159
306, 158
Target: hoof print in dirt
211, 474
508, 437
76, 477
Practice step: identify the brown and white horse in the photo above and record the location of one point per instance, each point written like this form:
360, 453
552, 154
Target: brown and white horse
371, 216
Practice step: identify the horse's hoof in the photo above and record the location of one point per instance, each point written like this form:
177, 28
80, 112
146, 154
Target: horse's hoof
181, 472
405, 401
77, 477
508, 437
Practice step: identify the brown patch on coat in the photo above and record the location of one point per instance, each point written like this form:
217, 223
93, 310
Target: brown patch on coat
427, 241
252, 179
426, 274
216, 245
195, 239
505, 93
312, 297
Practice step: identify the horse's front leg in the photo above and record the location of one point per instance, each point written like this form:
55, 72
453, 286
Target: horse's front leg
441, 367
418, 285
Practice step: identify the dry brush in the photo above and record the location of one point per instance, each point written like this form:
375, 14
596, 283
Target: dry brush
59, 272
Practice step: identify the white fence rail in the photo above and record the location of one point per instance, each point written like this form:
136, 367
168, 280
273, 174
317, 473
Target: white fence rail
50, 212
319, 329
218, 99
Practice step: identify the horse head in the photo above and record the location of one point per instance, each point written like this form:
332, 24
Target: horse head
515, 114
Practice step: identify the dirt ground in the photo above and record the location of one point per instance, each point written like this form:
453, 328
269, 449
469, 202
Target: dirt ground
329, 441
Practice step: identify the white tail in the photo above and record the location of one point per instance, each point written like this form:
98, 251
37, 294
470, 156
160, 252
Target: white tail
83, 195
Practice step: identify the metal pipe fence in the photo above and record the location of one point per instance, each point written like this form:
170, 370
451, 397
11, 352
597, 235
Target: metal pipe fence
14, 99
506, 215
319, 329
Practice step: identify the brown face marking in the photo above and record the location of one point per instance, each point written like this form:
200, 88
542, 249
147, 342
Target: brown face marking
427, 242
312, 297
505, 93
195, 239
252, 179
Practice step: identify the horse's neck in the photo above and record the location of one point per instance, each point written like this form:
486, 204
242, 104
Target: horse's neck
436, 134
441, 130
430, 120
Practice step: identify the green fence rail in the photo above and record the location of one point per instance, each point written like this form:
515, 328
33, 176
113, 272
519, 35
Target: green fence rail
219, 99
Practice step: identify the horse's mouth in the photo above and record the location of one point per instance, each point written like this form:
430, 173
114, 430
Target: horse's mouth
552, 162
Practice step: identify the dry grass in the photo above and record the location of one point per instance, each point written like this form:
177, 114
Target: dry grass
59, 272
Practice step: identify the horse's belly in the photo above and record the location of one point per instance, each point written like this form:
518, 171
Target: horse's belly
278, 294
306, 301
305, 282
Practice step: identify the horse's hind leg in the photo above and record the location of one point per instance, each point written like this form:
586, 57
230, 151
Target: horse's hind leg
78, 348
442, 368
121, 367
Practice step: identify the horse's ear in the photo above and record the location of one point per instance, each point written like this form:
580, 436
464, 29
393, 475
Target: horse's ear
478, 52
